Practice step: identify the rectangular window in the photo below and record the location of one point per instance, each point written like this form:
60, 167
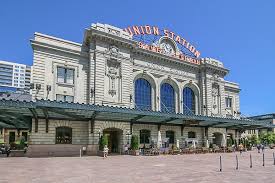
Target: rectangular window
64, 98
144, 136
25, 135
65, 75
228, 102
63, 135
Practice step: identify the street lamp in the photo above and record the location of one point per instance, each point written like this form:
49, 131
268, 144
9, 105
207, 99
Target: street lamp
128, 135
99, 133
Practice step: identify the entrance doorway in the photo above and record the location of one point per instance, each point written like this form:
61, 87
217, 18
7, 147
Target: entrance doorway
11, 137
114, 136
217, 139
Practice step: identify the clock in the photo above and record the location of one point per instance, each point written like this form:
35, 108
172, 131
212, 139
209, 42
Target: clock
167, 48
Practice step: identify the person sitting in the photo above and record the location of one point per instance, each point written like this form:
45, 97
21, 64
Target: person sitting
126, 149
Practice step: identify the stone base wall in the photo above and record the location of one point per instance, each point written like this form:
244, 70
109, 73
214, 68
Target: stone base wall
84, 135
79, 131
54, 150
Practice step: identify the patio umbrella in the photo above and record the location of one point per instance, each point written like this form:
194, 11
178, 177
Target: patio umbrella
194, 144
207, 143
178, 144
159, 140
223, 140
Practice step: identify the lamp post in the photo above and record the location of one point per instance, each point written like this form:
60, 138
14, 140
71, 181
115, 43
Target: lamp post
128, 135
99, 135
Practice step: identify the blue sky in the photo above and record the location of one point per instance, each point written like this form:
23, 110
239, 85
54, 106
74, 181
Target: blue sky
239, 33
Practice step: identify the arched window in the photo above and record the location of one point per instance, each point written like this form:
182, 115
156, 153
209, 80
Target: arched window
188, 101
191, 134
143, 95
167, 98
171, 136
63, 135
145, 136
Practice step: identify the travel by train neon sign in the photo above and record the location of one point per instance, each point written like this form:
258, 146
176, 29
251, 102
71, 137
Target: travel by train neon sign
164, 41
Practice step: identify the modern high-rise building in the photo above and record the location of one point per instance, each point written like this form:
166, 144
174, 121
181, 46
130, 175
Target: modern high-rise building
14, 77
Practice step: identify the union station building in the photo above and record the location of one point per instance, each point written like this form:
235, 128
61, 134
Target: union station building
118, 83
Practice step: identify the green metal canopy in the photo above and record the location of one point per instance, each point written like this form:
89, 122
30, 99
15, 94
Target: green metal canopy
18, 114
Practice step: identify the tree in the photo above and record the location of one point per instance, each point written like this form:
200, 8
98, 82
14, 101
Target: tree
267, 138
230, 142
103, 141
253, 139
134, 142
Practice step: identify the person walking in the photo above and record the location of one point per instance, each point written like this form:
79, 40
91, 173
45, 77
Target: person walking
105, 151
259, 148
241, 148
262, 147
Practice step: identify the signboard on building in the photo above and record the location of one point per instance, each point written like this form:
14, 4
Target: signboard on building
164, 41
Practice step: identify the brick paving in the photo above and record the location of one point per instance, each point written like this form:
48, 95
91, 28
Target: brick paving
141, 169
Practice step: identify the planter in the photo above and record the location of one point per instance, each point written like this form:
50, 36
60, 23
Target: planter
17, 153
100, 153
134, 152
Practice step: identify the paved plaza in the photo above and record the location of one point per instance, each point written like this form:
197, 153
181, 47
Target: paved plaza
127, 169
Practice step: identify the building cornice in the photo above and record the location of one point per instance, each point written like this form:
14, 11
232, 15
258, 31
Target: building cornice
37, 44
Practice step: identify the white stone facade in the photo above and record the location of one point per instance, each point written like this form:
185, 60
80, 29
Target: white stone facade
106, 66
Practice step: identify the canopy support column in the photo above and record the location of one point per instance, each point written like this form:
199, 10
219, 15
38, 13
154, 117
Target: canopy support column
34, 114
46, 114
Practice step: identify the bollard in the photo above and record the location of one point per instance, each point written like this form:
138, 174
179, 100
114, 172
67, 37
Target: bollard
263, 159
250, 161
80, 153
220, 163
273, 158
237, 162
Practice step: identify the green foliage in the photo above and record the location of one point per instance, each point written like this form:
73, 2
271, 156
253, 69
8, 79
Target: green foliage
267, 138
230, 142
134, 142
253, 139
103, 141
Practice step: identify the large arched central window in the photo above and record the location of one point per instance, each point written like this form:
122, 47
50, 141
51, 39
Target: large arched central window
143, 95
167, 98
188, 101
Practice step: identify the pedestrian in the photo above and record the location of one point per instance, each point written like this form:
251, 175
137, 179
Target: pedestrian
262, 147
241, 148
259, 148
233, 147
105, 151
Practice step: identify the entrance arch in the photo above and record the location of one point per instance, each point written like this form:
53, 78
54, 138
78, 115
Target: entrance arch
115, 139
217, 139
